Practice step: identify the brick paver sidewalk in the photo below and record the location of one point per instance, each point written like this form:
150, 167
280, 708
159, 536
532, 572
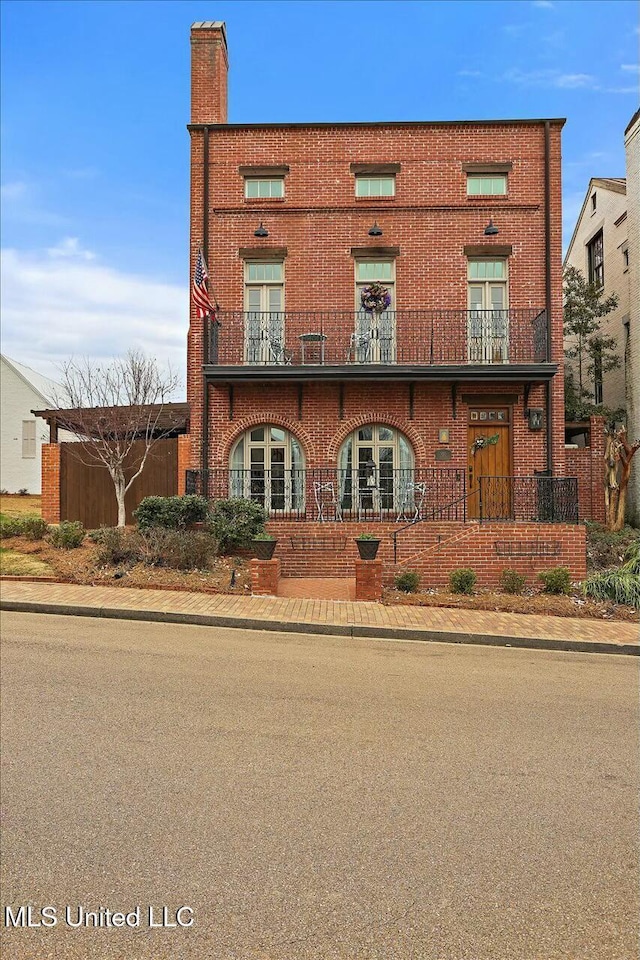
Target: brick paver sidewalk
362, 618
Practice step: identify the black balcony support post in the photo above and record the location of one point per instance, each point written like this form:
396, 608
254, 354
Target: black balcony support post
411, 400
454, 400
341, 401
230, 401
205, 336
300, 396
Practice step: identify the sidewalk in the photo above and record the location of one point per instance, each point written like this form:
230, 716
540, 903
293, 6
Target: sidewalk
337, 618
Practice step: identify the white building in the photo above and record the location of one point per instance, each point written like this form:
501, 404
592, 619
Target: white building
21, 433
599, 249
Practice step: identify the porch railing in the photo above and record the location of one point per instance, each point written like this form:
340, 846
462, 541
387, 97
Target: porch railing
327, 494
401, 337
528, 499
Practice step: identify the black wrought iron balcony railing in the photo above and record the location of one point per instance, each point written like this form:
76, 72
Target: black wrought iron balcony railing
337, 495
433, 337
403, 495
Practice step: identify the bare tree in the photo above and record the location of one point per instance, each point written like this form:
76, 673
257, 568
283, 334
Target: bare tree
117, 412
618, 454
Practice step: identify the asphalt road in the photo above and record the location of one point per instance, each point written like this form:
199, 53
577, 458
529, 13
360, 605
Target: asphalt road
312, 797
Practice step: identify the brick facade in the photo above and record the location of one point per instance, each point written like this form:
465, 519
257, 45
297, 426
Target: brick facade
433, 549
431, 229
51, 482
587, 464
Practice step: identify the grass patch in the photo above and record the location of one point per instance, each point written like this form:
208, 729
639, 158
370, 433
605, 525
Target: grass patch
13, 564
12, 505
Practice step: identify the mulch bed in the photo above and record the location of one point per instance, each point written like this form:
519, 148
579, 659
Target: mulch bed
80, 566
540, 603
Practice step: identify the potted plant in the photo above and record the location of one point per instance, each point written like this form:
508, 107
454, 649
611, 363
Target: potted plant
367, 544
263, 546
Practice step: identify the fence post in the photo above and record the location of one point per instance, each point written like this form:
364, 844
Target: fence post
480, 479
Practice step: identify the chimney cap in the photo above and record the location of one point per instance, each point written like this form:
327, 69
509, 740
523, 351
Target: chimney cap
209, 25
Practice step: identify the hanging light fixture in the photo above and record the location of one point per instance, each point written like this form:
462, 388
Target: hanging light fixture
262, 231
375, 230
490, 230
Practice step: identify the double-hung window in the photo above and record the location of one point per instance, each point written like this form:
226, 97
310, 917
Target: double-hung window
595, 260
488, 326
374, 338
264, 312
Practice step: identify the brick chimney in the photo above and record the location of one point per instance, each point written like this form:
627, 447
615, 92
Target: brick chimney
209, 72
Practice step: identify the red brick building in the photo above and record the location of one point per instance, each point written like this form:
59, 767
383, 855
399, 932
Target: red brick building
328, 412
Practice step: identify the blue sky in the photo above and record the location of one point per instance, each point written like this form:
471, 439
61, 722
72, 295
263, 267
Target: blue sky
95, 98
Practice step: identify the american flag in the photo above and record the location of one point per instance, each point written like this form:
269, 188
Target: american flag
201, 299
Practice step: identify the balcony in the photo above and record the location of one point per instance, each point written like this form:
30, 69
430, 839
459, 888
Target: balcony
405, 496
417, 344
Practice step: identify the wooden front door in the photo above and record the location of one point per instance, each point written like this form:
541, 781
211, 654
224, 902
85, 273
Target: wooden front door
489, 453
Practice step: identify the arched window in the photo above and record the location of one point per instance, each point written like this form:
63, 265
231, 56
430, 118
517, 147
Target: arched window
267, 465
375, 466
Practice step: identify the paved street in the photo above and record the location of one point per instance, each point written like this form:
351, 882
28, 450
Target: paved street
316, 797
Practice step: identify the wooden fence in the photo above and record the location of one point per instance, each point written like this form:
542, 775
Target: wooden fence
87, 493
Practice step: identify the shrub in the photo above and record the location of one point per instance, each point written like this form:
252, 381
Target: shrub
511, 581
367, 536
462, 580
172, 513
177, 549
235, 522
23, 492
408, 581
31, 527
621, 585
116, 545
67, 535
556, 580
263, 536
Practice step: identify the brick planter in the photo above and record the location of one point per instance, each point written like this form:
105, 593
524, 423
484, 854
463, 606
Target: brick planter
265, 575
368, 579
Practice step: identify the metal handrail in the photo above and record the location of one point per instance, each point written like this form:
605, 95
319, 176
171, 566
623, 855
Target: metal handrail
431, 516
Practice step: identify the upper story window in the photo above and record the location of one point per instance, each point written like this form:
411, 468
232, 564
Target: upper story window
480, 185
625, 258
264, 317
264, 188
593, 202
595, 259
487, 284
375, 186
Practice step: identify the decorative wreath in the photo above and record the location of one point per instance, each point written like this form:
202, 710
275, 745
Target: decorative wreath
481, 442
375, 298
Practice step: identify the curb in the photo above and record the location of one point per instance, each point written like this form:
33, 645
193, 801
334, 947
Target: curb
352, 631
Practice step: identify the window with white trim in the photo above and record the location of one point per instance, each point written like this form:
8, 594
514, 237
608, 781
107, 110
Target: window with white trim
375, 466
267, 466
486, 185
264, 316
374, 339
488, 323
28, 439
375, 186
264, 188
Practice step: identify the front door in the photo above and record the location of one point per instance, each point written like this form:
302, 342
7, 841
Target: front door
489, 453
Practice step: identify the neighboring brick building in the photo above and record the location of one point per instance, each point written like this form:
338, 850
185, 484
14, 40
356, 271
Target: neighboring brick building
599, 248
323, 411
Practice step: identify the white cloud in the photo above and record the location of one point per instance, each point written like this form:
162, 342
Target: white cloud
573, 81
58, 305
630, 67
543, 4
70, 248
551, 78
